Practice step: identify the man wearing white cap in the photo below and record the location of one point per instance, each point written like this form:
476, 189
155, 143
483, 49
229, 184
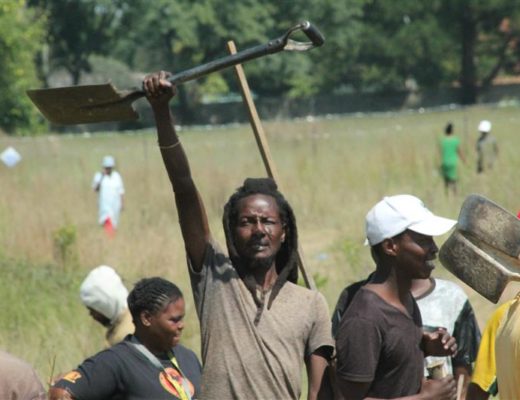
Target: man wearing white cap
380, 342
104, 294
109, 184
487, 148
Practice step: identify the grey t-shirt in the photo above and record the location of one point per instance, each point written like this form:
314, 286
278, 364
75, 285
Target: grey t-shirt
379, 344
244, 361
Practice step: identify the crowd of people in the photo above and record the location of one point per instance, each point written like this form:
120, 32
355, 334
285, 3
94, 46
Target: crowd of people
259, 328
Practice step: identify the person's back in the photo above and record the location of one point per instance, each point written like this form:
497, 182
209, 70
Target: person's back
487, 148
104, 294
449, 146
18, 380
450, 155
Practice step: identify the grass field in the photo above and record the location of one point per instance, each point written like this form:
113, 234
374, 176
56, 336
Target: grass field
332, 170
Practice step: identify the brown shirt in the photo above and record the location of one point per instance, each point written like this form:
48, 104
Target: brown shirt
379, 344
244, 361
18, 380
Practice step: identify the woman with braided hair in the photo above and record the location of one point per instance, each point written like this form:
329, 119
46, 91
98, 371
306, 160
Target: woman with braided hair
150, 364
258, 328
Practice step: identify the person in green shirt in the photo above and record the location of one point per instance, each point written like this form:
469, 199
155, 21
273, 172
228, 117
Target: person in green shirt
450, 154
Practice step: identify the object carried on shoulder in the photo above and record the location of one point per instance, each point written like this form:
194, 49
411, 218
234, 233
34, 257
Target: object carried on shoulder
484, 249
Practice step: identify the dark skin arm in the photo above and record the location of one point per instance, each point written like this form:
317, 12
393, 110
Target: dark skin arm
59, 394
319, 385
192, 215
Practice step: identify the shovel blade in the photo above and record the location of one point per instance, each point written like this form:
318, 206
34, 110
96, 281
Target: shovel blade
483, 268
85, 104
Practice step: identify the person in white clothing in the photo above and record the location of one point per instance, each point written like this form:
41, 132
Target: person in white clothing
104, 295
109, 184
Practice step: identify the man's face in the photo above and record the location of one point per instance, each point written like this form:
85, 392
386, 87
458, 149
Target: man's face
99, 317
259, 231
415, 254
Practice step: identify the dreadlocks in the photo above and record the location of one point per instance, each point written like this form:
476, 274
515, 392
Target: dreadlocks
152, 295
286, 258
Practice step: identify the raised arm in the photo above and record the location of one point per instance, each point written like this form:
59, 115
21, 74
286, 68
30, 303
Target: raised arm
192, 215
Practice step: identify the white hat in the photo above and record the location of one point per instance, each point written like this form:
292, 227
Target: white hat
108, 162
484, 126
395, 214
103, 291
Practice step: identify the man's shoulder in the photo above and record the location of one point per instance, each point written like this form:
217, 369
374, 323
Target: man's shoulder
290, 286
299, 292
366, 303
12, 363
183, 350
348, 293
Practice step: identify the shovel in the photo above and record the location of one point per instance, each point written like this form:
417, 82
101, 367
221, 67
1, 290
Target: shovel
101, 103
483, 251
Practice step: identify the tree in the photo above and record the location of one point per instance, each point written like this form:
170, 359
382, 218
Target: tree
399, 40
78, 29
21, 34
177, 35
487, 34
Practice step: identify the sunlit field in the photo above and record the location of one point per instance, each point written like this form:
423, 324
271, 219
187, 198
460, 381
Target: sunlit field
332, 170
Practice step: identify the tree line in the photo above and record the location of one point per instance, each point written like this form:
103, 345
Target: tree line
371, 45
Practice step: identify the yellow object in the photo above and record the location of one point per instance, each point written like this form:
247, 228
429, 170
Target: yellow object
181, 389
507, 348
484, 374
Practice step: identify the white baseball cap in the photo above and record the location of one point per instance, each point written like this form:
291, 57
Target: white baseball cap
395, 214
108, 162
484, 126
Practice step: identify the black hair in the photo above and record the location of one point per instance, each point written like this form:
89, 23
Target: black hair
286, 259
449, 128
152, 295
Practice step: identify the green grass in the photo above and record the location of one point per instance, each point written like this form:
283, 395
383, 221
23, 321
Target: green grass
331, 170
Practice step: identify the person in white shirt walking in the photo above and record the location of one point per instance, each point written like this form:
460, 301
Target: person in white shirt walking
109, 185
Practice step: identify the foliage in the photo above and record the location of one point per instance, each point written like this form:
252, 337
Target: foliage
21, 35
371, 45
65, 250
77, 29
486, 36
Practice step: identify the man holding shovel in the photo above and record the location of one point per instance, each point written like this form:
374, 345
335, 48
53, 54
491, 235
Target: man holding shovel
384, 320
257, 326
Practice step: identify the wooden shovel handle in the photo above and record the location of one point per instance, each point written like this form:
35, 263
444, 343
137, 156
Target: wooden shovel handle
263, 146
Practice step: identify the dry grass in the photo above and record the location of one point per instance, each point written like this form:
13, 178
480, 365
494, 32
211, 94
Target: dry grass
332, 171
